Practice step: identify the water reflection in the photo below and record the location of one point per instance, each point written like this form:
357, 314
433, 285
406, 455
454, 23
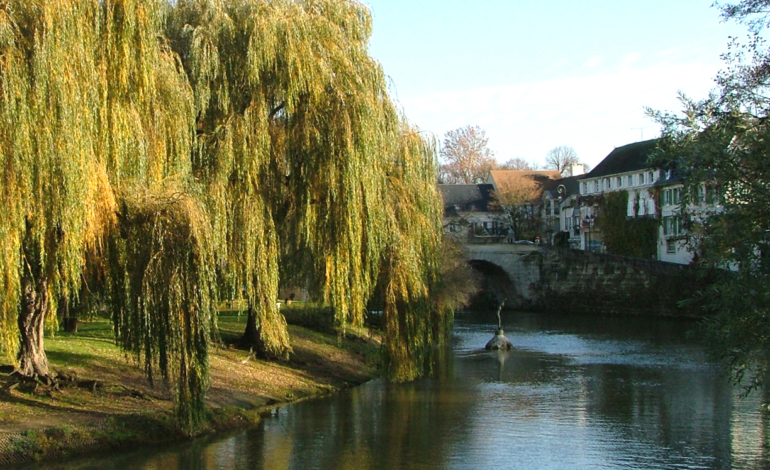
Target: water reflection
573, 393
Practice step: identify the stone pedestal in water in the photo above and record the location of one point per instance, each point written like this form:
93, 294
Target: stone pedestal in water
499, 341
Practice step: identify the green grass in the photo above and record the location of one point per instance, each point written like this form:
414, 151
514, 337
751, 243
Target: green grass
124, 410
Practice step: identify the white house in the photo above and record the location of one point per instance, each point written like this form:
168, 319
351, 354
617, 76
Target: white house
652, 192
561, 210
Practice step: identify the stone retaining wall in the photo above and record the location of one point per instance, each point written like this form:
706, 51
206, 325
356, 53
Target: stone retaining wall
575, 281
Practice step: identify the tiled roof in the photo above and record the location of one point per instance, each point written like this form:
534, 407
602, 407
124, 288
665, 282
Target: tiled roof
468, 197
522, 185
503, 178
631, 157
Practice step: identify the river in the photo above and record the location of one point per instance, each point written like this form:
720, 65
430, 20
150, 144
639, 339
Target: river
575, 392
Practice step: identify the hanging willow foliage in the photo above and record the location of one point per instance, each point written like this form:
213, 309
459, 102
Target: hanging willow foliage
93, 104
414, 323
162, 264
164, 291
293, 122
49, 168
241, 143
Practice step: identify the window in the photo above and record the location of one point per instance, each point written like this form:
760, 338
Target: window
650, 177
630, 180
641, 178
620, 182
670, 246
583, 188
672, 196
596, 186
672, 226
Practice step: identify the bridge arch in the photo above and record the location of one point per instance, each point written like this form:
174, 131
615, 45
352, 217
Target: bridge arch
496, 284
508, 270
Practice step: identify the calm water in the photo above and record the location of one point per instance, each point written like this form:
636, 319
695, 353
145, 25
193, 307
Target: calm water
581, 392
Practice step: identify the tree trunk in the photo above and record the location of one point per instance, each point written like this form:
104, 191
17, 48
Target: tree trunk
32, 359
251, 337
69, 320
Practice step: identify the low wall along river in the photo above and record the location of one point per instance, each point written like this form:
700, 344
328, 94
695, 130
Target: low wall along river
573, 281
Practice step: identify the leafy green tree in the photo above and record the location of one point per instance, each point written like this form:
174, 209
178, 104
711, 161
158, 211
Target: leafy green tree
720, 145
298, 144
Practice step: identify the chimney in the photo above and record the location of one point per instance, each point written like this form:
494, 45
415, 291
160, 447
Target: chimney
577, 169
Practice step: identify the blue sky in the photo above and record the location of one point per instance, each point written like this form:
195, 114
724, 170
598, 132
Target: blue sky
538, 74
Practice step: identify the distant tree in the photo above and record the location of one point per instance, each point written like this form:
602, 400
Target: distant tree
465, 158
517, 163
561, 159
519, 197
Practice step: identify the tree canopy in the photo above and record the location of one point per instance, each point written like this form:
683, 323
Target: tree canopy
196, 150
720, 145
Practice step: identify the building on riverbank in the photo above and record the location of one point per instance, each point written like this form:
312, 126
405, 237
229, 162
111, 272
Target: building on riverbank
653, 193
471, 214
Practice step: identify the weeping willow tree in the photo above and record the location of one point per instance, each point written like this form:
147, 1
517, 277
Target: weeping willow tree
191, 146
294, 122
95, 109
414, 322
55, 194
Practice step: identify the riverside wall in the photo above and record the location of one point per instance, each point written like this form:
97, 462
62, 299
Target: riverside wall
579, 282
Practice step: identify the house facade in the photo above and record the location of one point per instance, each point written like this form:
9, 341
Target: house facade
471, 214
561, 212
652, 193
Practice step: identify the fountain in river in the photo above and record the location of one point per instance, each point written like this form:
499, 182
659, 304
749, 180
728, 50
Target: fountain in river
499, 341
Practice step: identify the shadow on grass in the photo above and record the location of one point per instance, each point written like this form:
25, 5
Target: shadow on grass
20, 399
72, 359
314, 354
100, 329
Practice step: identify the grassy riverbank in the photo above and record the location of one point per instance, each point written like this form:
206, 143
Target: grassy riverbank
103, 400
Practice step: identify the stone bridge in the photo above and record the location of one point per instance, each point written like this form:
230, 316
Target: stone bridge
507, 274
542, 278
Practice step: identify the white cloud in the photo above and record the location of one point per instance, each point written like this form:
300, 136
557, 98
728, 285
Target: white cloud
593, 112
